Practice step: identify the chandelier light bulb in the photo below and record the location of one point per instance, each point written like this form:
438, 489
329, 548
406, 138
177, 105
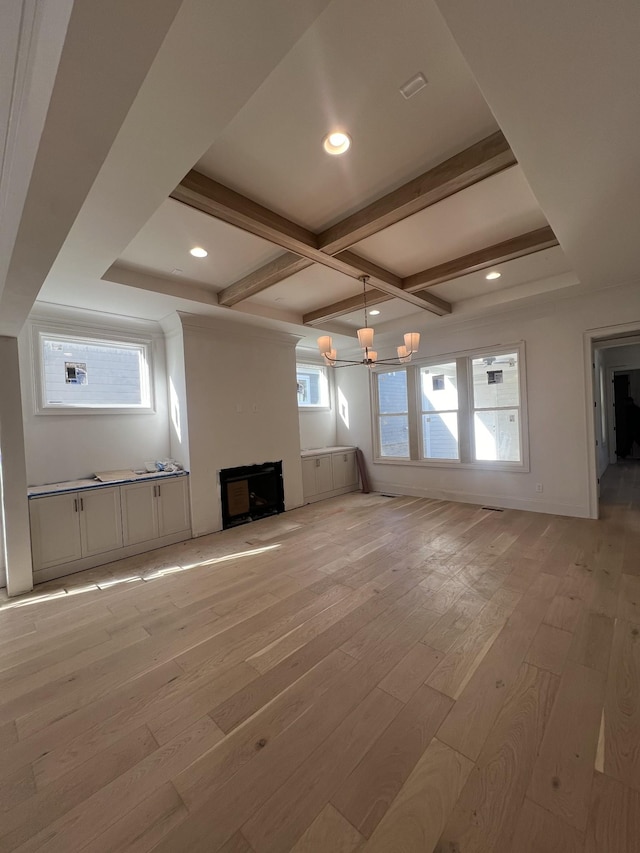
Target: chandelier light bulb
365, 338
412, 342
324, 344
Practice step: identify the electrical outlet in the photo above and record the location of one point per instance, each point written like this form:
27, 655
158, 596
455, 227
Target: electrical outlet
539, 487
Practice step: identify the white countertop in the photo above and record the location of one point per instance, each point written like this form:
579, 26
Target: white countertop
319, 451
79, 485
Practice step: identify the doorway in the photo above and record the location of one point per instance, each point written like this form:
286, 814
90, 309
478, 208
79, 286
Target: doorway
613, 402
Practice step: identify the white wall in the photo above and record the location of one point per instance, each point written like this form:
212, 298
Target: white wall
176, 391
557, 405
242, 409
16, 543
67, 447
317, 429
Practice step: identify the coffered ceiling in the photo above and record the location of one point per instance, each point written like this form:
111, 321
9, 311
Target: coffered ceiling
265, 200
222, 148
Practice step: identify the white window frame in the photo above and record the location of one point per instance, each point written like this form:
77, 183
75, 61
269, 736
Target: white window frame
421, 412
377, 415
466, 410
324, 370
96, 336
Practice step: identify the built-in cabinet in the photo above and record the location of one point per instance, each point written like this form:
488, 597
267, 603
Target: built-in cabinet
74, 525
75, 530
150, 510
328, 472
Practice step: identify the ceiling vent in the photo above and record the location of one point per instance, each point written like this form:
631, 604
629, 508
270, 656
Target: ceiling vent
411, 87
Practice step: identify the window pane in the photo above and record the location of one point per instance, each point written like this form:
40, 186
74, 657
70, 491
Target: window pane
394, 435
497, 435
93, 374
313, 387
495, 381
439, 386
392, 392
440, 436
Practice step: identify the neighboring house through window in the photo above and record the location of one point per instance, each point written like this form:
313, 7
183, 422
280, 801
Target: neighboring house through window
313, 386
86, 374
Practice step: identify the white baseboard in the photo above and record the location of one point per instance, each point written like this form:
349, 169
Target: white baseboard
499, 501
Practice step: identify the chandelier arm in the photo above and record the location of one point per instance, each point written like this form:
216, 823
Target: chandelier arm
365, 337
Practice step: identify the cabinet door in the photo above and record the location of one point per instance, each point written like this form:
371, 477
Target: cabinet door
55, 530
343, 469
139, 512
324, 474
100, 520
309, 485
173, 506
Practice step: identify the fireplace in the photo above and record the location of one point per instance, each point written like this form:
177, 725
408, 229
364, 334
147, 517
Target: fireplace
251, 492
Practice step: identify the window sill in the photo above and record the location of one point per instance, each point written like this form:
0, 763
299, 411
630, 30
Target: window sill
513, 467
314, 408
94, 410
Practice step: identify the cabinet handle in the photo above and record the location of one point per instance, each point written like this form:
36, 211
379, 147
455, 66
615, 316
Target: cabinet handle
158, 491
75, 505
317, 463
155, 491
81, 504
344, 457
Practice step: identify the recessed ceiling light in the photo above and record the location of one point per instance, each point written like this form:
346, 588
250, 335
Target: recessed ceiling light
491, 275
374, 312
336, 142
198, 252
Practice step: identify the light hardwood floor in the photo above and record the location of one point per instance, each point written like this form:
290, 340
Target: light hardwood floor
374, 674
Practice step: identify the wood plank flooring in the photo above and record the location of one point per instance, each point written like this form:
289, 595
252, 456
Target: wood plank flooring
373, 674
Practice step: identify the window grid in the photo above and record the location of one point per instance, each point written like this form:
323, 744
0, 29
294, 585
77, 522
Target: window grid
505, 456
439, 438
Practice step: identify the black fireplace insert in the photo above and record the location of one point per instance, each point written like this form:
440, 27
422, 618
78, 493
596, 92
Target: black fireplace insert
251, 492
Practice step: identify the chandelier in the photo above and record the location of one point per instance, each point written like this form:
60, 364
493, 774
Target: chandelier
365, 338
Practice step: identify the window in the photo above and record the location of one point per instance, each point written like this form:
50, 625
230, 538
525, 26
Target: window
465, 410
89, 375
313, 386
394, 414
439, 411
496, 407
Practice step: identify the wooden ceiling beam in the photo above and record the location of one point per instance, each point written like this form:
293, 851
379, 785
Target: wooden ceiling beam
205, 194
379, 277
508, 250
209, 196
500, 253
266, 276
464, 169
475, 163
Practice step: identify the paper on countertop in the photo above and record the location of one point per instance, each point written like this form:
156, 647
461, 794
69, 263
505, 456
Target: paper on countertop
109, 476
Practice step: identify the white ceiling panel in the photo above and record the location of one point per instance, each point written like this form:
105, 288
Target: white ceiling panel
541, 265
394, 309
345, 72
309, 289
551, 262
486, 213
163, 245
